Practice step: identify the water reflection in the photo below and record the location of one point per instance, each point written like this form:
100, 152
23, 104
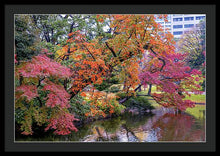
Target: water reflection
179, 127
161, 125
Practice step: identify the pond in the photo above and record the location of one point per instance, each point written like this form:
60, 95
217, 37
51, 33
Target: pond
158, 126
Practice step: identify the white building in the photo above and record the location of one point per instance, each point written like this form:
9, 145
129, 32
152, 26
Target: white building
182, 23
179, 24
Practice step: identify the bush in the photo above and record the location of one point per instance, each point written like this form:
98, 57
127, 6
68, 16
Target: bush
107, 83
102, 86
138, 102
79, 106
115, 106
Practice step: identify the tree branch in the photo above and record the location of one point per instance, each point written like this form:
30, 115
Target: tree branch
113, 52
164, 63
128, 97
159, 58
89, 52
39, 81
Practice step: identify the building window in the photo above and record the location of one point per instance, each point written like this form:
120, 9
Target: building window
200, 17
177, 26
188, 18
177, 33
177, 19
188, 25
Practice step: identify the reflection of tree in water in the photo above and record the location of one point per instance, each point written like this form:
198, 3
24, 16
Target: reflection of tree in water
138, 128
134, 121
123, 128
107, 129
112, 125
178, 127
161, 126
131, 137
134, 127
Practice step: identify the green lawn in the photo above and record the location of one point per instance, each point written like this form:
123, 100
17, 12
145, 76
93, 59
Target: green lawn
198, 111
153, 102
196, 98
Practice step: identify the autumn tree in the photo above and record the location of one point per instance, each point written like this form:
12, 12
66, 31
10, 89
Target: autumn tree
173, 79
167, 70
40, 98
97, 58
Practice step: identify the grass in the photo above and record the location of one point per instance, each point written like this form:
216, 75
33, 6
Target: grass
198, 111
196, 98
153, 102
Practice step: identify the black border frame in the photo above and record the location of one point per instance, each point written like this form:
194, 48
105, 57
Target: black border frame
8, 114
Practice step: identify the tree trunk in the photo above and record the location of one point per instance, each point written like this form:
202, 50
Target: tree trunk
139, 90
149, 91
20, 80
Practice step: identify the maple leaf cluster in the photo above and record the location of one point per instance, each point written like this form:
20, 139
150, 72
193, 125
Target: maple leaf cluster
62, 122
43, 66
57, 96
28, 91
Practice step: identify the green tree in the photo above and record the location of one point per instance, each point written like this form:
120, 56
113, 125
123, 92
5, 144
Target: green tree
193, 43
26, 37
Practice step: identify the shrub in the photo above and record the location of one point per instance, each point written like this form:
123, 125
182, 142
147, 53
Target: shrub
102, 105
79, 106
138, 102
107, 83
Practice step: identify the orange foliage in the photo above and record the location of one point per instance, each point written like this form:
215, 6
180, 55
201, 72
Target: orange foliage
96, 59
